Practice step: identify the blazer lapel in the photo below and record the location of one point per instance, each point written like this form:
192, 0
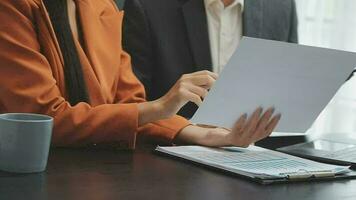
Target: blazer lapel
49, 26
197, 28
49, 43
253, 18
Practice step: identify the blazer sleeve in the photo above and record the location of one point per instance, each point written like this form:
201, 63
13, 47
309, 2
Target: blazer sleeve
132, 91
137, 41
293, 32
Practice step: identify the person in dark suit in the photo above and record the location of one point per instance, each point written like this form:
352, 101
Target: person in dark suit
169, 38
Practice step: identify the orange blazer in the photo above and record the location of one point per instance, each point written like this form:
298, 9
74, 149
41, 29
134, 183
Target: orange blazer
32, 77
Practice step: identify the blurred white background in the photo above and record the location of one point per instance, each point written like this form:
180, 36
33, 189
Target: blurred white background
332, 24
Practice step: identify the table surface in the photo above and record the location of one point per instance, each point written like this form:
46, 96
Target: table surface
112, 174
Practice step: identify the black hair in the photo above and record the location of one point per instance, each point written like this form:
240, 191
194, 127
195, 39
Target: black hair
73, 72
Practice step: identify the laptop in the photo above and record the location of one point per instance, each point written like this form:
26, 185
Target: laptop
330, 148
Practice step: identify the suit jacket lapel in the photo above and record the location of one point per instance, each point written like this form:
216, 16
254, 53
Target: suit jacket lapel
49, 44
253, 18
52, 34
197, 28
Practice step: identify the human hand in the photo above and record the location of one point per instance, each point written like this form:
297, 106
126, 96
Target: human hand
190, 87
245, 132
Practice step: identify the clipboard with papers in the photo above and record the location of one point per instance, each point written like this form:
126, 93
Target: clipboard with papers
258, 164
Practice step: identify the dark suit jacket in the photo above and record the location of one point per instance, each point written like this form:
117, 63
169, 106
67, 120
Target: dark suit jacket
169, 38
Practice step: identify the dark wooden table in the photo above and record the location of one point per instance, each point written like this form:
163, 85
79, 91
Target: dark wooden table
108, 174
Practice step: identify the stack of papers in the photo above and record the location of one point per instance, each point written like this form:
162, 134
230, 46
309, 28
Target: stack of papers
255, 162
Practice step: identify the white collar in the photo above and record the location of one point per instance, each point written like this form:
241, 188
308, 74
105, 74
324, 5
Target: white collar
208, 3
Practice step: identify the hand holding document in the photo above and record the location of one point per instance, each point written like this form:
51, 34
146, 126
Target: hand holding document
297, 80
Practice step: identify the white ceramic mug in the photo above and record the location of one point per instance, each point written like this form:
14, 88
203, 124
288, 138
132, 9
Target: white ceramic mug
24, 142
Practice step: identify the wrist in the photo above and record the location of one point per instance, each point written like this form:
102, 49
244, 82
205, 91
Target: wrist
191, 135
162, 107
213, 137
150, 112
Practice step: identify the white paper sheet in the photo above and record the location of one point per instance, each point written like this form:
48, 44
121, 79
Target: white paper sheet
297, 80
253, 161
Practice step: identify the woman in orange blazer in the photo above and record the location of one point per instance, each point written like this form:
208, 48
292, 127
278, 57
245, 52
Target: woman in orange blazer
64, 58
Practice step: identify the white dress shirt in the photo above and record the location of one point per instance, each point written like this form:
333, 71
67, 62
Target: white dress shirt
225, 30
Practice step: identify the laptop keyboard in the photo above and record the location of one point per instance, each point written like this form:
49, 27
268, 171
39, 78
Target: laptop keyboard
348, 155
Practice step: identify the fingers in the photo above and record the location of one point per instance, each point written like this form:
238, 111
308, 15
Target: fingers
252, 122
272, 125
194, 94
234, 137
195, 86
265, 119
190, 96
255, 128
201, 92
204, 79
268, 129
240, 123
190, 87
266, 125
206, 72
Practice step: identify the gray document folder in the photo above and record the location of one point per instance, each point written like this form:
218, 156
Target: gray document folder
299, 81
